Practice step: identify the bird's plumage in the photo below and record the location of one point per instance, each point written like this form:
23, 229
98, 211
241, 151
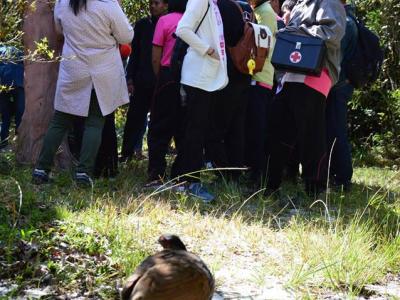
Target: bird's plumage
170, 274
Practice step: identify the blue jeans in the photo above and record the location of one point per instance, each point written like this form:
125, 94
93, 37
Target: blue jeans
336, 120
8, 108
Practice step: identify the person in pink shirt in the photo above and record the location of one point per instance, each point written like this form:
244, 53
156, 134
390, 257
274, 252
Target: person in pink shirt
166, 111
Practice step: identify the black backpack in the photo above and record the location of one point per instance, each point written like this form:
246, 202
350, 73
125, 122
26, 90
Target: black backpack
365, 65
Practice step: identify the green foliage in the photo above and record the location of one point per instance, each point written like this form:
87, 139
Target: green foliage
375, 125
375, 111
383, 17
135, 9
11, 21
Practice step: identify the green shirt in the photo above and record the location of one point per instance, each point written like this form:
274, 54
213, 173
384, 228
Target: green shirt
266, 16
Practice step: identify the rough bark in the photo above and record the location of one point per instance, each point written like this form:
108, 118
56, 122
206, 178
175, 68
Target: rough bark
40, 84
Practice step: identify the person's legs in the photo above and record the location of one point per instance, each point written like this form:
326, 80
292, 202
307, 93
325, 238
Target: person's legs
337, 138
6, 110
107, 156
221, 112
235, 137
179, 133
225, 137
138, 149
162, 124
91, 137
256, 130
136, 120
19, 105
58, 127
197, 118
282, 135
309, 111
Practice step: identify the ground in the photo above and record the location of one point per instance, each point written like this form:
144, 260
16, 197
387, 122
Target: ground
61, 242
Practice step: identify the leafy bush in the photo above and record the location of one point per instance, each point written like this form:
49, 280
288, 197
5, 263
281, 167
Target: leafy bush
375, 111
11, 22
135, 9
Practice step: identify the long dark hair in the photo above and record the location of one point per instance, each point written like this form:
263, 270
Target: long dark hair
177, 6
76, 5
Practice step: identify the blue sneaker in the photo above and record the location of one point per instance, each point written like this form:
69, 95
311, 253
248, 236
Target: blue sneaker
40, 176
197, 190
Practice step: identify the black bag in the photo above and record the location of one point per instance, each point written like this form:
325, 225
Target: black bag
364, 66
179, 52
298, 54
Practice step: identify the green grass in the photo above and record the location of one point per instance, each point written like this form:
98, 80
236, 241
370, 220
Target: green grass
88, 241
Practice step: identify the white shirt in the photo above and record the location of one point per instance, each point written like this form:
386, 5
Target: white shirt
200, 70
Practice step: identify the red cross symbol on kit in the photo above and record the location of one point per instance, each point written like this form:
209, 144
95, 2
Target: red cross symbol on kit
295, 57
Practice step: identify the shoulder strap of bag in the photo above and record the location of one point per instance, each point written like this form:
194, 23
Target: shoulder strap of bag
198, 27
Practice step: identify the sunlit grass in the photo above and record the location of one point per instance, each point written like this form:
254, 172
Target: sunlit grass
339, 245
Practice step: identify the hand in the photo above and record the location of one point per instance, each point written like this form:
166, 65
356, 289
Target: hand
214, 54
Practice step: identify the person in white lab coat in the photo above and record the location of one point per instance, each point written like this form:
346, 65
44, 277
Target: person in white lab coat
91, 81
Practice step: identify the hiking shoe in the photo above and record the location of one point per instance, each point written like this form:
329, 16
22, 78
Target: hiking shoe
40, 176
153, 184
83, 179
197, 190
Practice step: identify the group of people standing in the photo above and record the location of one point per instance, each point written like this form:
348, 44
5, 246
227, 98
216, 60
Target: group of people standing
264, 123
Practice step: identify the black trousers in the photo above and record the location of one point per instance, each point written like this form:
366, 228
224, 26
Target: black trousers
190, 158
136, 118
107, 157
257, 129
225, 139
297, 118
166, 120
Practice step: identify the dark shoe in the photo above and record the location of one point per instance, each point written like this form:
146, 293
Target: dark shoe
83, 179
40, 176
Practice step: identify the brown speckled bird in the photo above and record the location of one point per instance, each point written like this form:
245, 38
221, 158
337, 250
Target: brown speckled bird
171, 274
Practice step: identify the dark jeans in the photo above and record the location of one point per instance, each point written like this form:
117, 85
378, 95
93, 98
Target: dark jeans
336, 121
135, 125
91, 140
196, 124
166, 120
297, 119
9, 107
259, 102
107, 157
225, 140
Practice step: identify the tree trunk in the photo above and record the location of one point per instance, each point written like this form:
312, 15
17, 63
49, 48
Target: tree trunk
40, 85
